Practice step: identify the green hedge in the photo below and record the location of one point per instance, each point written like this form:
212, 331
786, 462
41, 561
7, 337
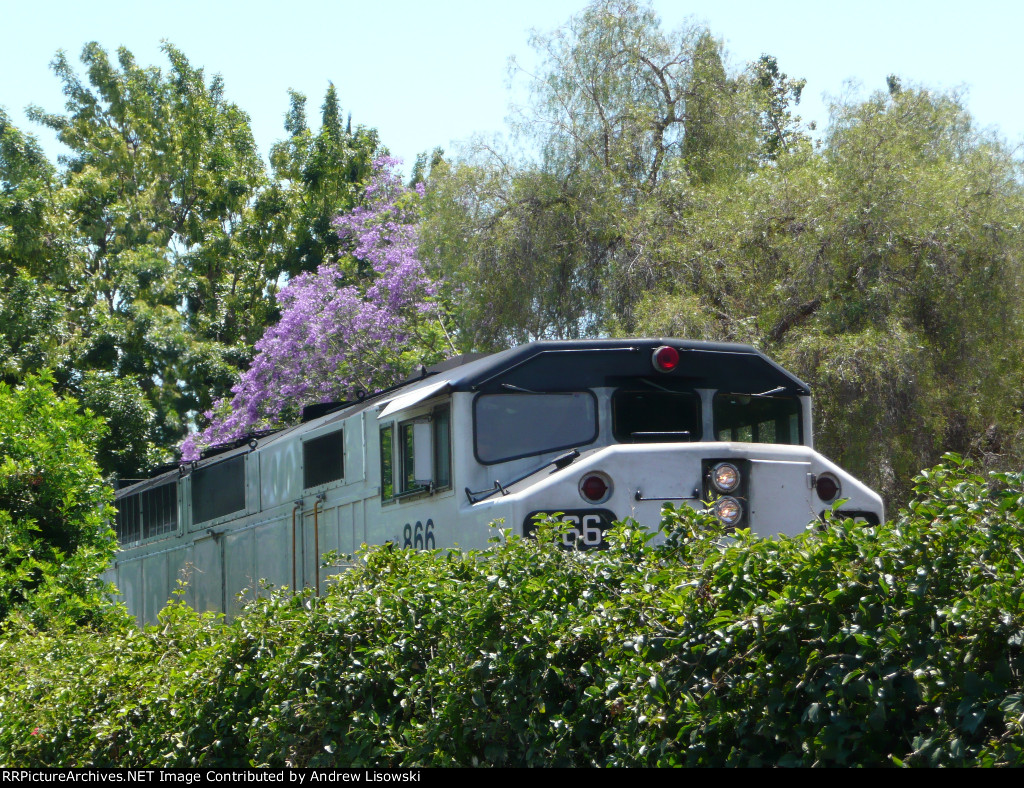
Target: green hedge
895, 645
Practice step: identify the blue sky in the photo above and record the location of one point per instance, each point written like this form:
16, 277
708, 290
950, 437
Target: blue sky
435, 73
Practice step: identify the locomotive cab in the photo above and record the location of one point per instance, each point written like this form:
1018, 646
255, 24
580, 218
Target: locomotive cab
604, 430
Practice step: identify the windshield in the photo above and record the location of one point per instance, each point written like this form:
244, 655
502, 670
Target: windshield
655, 416
741, 417
509, 426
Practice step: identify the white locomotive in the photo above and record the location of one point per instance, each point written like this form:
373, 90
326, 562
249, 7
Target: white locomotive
598, 430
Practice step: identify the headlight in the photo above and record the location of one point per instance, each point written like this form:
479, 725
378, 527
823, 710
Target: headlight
728, 510
725, 477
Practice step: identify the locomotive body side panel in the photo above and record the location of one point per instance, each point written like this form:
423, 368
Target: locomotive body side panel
273, 551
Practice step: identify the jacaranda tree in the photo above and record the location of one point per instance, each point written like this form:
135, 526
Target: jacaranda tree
356, 325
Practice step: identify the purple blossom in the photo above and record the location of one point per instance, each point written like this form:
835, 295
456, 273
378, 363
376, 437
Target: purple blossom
335, 335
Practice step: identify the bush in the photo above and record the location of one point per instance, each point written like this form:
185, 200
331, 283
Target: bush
898, 644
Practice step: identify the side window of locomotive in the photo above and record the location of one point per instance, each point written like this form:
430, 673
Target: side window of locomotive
147, 514
323, 459
655, 416
218, 490
416, 454
387, 462
408, 480
509, 426
442, 427
739, 417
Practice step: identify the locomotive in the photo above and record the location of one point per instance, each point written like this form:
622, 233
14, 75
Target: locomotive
593, 430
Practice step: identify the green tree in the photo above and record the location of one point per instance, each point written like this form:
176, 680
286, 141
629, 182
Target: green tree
519, 259
36, 271
317, 177
157, 192
775, 93
45, 297
55, 537
26, 180
425, 165
144, 270
709, 109
626, 120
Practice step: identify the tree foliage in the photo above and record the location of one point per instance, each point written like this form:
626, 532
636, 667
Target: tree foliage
359, 324
317, 176
35, 330
55, 537
143, 270
673, 196
623, 115
158, 184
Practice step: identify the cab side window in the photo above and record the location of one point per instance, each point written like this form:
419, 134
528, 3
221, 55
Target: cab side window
416, 454
411, 481
442, 423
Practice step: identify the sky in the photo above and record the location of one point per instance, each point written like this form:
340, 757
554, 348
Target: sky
428, 74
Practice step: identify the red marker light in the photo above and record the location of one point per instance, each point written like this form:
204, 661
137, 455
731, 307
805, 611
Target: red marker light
594, 488
665, 358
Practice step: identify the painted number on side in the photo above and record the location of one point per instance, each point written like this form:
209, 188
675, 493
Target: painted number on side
419, 536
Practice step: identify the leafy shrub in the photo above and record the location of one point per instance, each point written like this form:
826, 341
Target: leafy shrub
898, 644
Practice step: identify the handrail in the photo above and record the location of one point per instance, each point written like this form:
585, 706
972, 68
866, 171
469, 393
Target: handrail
316, 537
639, 496
295, 508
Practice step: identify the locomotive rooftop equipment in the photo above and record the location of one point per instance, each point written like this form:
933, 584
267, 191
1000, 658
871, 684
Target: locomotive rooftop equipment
598, 430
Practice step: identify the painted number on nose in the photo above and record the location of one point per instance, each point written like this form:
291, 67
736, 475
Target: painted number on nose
585, 528
587, 531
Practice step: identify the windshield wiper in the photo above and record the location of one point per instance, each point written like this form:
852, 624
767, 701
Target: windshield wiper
561, 461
